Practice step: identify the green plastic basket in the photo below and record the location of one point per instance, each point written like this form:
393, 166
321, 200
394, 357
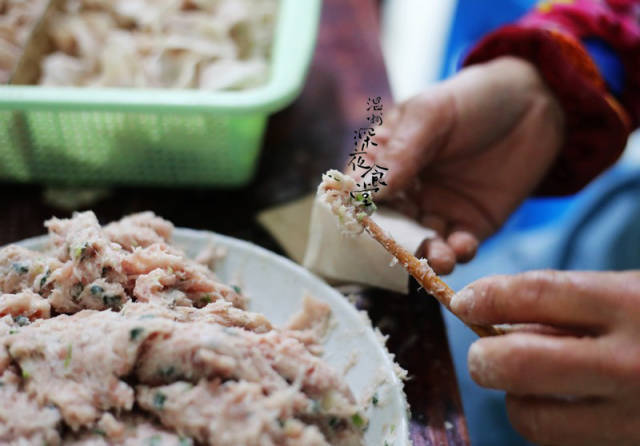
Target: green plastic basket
108, 136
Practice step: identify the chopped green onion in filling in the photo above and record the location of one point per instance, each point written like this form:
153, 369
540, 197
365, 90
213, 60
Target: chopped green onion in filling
67, 359
158, 400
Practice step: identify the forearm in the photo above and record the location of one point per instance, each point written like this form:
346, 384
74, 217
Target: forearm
601, 102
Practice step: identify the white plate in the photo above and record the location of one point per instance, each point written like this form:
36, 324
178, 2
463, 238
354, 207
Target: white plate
275, 287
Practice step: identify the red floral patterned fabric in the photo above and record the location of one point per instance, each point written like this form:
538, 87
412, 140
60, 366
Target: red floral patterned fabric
598, 124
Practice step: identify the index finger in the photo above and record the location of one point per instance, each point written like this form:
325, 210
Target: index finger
568, 299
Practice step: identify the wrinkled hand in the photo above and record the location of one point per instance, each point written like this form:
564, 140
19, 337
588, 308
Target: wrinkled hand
464, 154
562, 389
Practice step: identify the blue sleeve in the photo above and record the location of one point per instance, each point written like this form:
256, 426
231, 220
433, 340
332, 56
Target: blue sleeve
609, 64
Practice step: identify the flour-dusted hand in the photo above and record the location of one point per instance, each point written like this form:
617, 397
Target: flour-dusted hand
464, 154
581, 387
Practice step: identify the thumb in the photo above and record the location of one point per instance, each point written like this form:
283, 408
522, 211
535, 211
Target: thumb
415, 131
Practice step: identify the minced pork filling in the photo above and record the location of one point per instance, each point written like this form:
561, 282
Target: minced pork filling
113, 336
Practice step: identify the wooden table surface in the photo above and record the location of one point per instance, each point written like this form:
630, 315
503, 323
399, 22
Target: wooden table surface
303, 141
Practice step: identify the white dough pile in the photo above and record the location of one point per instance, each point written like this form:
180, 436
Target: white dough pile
204, 44
17, 18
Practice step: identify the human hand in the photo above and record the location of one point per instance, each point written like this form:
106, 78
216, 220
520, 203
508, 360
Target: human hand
464, 154
577, 386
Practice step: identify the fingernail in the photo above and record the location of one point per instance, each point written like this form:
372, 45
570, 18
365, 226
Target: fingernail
482, 370
462, 302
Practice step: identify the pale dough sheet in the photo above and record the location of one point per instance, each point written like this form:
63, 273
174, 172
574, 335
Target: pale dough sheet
309, 233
